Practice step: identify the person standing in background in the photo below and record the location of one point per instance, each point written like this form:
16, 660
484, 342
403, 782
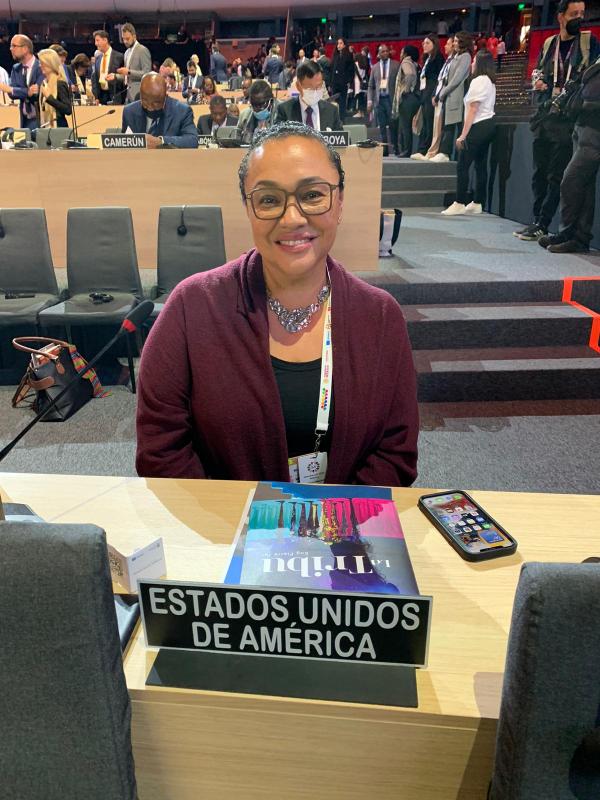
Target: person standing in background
478, 130
273, 66
104, 79
434, 61
362, 72
25, 79
438, 107
218, 65
83, 82
55, 97
500, 53
453, 92
138, 62
67, 72
325, 65
342, 75
382, 85
406, 98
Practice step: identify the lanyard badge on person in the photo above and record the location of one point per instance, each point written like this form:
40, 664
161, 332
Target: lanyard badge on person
556, 89
312, 467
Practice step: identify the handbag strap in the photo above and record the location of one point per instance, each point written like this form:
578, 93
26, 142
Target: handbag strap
19, 344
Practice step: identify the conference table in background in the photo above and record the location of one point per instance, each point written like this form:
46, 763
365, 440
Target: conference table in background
145, 180
9, 115
217, 746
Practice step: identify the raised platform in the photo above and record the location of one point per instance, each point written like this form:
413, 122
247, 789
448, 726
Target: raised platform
485, 311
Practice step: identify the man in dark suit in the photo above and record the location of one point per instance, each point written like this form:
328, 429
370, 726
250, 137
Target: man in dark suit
67, 73
192, 84
380, 94
218, 65
25, 79
163, 119
209, 124
106, 85
310, 108
325, 65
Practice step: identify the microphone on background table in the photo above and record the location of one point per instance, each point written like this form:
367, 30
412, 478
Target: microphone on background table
70, 142
130, 324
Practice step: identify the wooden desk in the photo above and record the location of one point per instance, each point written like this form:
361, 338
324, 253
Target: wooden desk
201, 744
145, 180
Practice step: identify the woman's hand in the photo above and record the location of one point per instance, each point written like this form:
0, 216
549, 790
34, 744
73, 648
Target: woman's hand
460, 142
45, 90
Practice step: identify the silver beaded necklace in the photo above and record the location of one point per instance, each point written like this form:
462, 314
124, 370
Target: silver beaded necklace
294, 320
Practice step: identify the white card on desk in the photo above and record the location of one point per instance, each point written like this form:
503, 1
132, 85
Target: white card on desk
147, 562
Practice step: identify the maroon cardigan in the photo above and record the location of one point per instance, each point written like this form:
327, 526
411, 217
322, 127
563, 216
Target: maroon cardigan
208, 403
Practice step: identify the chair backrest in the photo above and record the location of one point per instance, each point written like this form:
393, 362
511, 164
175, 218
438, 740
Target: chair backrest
113, 130
101, 251
548, 743
59, 135
358, 133
201, 248
66, 714
25, 257
43, 138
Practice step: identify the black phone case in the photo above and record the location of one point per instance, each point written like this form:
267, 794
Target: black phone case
495, 552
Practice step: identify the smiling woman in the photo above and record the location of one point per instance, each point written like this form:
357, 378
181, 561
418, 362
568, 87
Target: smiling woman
281, 365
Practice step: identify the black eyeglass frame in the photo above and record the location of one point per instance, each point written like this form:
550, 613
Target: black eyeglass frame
294, 194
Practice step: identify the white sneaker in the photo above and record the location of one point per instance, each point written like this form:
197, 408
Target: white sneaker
474, 208
455, 209
418, 157
441, 158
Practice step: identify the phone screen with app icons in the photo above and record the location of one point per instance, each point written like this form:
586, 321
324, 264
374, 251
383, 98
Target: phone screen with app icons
468, 524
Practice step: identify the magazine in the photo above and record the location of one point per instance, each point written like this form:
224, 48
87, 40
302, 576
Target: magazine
342, 538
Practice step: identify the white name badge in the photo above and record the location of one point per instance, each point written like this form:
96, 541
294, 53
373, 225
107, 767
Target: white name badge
383, 85
423, 83
309, 468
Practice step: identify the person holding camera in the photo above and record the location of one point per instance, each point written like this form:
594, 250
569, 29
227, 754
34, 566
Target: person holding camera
563, 59
578, 187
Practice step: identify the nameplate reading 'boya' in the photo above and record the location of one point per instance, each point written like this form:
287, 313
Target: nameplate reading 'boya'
372, 628
117, 141
336, 138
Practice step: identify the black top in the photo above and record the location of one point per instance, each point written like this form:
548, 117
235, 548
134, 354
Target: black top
299, 386
61, 103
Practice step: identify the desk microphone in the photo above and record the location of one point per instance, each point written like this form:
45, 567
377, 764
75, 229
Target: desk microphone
69, 142
130, 324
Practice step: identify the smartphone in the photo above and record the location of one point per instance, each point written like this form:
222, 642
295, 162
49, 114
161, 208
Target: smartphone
466, 526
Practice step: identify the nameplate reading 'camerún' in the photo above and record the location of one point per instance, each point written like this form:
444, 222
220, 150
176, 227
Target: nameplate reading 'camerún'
371, 628
129, 141
336, 138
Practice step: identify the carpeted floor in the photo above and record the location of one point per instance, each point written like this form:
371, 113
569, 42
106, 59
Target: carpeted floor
539, 447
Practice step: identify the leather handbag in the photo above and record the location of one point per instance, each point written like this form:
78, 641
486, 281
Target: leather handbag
50, 370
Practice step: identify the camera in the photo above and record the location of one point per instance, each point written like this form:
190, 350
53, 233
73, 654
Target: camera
560, 103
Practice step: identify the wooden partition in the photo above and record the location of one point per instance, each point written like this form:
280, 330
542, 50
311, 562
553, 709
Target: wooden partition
145, 180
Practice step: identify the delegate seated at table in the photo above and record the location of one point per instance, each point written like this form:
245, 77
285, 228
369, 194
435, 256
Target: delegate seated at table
231, 382
209, 124
163, 119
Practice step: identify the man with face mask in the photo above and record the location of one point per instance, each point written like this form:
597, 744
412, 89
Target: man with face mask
262, 112
309, 107
165, 121
564, 58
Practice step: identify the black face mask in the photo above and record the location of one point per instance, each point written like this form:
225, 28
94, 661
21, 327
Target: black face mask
154, 114
573, 26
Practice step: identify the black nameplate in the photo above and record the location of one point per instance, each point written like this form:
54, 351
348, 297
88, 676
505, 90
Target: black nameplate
336, 138
131, 141
290, 623
205, 140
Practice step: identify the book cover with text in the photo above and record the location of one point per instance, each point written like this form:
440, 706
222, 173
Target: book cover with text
343, 538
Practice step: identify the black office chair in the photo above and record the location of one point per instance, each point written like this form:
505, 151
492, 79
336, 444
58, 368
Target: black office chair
65, 726
190, 240
548, 743
25, 267
101, 258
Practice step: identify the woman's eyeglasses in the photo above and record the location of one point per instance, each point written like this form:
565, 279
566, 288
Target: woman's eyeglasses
312, 199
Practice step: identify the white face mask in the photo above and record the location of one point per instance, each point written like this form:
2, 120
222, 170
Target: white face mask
312, 96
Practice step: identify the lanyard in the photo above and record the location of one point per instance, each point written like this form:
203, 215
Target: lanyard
325, 389
562, 63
